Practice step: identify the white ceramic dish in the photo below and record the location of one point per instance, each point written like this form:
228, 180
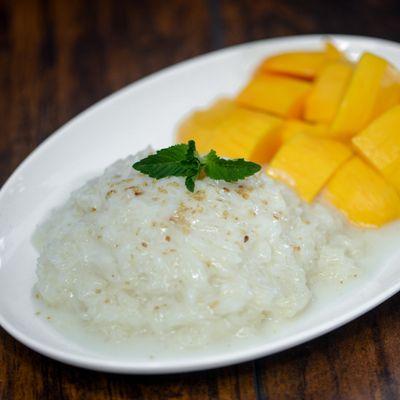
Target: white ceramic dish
143, 113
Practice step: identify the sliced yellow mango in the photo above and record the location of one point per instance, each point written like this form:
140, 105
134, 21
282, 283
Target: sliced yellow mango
379, 143
200, 124
246, 134
333, 53
232, 131
373, 88
362, 194
325, 96
301, 64
306, 163
274, 94
291, 127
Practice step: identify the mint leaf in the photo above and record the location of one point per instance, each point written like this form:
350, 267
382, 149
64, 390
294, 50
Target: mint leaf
183, 160
194, 166
192, 172
166, 162
191, 153
228, 170
189, 183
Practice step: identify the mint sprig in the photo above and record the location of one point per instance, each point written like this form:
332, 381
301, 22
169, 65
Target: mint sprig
184, 160
228, 170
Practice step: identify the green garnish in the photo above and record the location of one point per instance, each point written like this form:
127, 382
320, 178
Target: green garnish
184, 160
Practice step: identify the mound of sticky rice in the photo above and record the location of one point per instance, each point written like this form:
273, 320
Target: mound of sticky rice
130, 255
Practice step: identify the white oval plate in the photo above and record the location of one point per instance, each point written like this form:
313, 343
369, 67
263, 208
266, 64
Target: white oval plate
144, 113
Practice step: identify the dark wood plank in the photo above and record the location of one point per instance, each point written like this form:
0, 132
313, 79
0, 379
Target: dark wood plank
247, 20
57, 58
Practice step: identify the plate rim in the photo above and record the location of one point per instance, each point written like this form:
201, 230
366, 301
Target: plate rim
209, 362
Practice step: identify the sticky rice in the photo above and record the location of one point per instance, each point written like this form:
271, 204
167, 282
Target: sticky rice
129, 255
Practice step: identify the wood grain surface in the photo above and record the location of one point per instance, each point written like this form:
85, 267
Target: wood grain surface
59, 57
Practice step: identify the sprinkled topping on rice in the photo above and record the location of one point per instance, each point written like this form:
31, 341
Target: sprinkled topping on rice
129, 255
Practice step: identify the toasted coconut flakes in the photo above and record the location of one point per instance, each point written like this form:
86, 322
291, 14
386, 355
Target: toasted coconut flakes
199, 195
173, 184
243, 192
135, 189
110, 193
180, 219
214, 304
277, 215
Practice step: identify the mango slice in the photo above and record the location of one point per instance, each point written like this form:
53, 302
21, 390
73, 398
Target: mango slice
274, 94
379, 143
232, 131
306, 163
291, 127
362, 194
199, 125
324, 99
373, 88
246, 134
301, 64
332, 53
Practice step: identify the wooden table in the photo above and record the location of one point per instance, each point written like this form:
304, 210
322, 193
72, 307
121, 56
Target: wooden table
59, 57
